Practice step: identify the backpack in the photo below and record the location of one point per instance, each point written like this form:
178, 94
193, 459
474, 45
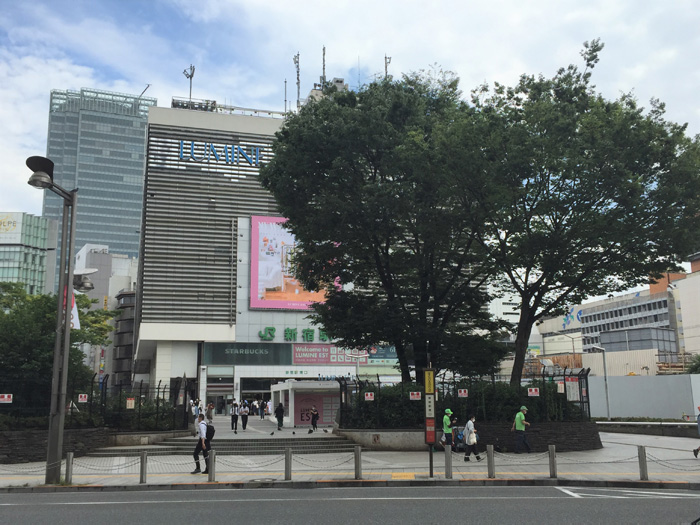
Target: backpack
210, 431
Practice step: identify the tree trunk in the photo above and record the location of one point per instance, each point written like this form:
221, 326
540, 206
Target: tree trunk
522, 338
403, 362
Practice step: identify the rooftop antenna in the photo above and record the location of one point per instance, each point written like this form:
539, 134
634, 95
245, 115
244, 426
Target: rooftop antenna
147, 86
296, 63
285, 95
189, 73
323, 79
358, 74
387, 61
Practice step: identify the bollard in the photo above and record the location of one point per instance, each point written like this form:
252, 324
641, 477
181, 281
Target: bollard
642, 453
489, 462
430, 460
288, 464
448, 461
144, 467
212, 466
552, 461
358, 462
69, 468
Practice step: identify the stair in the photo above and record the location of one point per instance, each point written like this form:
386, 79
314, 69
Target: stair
240, 447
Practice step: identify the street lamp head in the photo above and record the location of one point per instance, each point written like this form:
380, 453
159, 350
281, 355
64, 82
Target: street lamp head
42, 168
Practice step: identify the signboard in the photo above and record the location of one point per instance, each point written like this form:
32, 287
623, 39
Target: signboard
369, 396
533, 392
11, 228
572, 393
415, 396
560, 387
430, 431
462, 392
5, 398
82, 398
272, 283
429, 381
130, 403
326, 355
429, 405
583, 392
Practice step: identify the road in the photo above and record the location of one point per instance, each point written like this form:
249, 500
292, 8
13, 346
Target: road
386, 505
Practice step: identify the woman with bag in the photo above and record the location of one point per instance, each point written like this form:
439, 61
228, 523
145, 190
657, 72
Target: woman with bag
471, 439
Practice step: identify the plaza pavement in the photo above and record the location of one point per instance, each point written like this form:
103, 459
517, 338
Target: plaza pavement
670, 464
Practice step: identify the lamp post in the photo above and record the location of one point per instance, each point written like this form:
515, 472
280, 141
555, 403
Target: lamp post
605, 378
42, 178
357, 358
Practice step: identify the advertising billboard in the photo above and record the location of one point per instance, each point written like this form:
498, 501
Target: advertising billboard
272, 283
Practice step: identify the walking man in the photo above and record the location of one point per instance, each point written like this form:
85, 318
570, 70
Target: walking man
519, 427
203, 446
234, 417
279, 414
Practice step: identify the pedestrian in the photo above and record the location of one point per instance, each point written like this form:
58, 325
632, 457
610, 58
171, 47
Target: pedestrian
234, 417
696, 450
447, 422
519, 427
279, 414
210, 412
314, 418
196, 409
254, 407
470, 439
203, 446
269, 406
244, 411
261, 408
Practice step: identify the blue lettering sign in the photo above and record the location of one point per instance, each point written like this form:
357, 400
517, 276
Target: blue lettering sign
232, 154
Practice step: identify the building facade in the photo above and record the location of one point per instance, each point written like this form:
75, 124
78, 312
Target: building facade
28, 251
97, 141
217, 301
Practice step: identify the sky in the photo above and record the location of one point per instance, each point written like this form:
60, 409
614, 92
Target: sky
243, 53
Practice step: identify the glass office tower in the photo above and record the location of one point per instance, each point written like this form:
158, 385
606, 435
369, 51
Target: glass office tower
97, 141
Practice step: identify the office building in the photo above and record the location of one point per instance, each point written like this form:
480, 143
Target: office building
97, 141
28, 251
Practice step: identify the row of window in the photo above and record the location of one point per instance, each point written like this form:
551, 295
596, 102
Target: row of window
626, 323
628, 310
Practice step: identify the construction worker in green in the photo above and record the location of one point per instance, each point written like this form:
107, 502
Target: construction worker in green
447, 422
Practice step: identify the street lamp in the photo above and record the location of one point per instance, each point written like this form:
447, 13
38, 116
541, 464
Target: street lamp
357, 358
42, 178
605, 377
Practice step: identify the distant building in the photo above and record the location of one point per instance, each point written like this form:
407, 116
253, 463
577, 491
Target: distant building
97, 141
28, 251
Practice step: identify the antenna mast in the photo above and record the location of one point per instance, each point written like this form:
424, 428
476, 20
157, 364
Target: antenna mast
296, 63
285, 95
387, 61
323, 79
189, 73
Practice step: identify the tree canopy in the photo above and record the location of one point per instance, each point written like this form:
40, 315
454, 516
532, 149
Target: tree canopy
369, 194
27, 336
406, 200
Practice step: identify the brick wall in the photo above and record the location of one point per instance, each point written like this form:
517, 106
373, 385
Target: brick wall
22, 446
567, 437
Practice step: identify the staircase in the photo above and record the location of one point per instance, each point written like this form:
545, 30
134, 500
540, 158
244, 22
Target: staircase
242, 447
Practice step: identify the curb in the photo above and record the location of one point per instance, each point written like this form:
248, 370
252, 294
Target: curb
675, 485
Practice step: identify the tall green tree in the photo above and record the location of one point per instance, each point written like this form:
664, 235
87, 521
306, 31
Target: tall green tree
27, 336
365, 182
574, 195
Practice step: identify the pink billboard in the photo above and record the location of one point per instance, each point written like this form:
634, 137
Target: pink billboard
326, 355
272, 283
326, 404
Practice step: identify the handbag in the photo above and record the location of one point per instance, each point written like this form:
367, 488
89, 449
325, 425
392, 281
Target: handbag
472, 438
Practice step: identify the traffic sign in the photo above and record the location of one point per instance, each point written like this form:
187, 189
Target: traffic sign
415, 396
462, 392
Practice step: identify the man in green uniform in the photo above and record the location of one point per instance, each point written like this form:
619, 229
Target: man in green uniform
447, 426
519, 427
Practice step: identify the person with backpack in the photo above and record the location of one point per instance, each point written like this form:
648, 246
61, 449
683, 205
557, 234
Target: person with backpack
204, 435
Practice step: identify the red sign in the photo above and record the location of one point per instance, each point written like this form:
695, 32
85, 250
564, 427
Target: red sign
5, 398
583, 392
533, 392
430, 431
369, 396
462, 392
415, 396
82, 398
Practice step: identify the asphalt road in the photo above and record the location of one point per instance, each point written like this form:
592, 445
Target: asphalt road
385, 505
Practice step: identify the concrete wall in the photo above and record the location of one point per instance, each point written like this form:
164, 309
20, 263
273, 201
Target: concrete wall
646, 396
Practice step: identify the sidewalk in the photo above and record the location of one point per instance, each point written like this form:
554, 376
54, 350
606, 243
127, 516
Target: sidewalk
670, 461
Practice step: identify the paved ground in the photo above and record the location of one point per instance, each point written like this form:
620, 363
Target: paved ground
669, 460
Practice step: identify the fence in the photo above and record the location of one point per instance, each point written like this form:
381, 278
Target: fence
553, 396
123, 408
